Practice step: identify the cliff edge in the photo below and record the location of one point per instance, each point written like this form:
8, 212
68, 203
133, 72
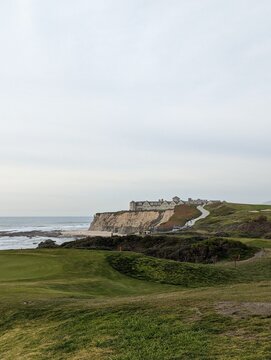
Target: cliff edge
130, 222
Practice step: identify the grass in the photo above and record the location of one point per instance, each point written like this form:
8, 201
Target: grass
71, 304
223, 216
188, 274
170, 272
61, 272
260, 243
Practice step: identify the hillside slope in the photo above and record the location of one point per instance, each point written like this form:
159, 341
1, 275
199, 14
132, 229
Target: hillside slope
237, 220
182, 214
187, 274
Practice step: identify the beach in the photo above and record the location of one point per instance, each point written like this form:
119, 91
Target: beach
86, 233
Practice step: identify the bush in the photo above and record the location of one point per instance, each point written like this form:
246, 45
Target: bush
194, 248
169, 272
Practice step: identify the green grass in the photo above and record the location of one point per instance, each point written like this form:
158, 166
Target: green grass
28, 265
226, 214
71, 304
188, 274
61, 272
260, 243
170, 272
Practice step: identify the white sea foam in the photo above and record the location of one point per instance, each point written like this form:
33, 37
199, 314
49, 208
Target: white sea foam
23, 242
27, 224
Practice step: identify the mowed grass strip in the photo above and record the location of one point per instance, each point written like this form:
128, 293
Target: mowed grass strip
28, 265
260, 243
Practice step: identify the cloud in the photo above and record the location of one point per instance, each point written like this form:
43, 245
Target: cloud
104, 101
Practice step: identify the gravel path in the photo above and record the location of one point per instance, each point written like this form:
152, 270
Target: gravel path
204, 214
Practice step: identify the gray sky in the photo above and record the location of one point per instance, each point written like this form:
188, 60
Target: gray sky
107, 101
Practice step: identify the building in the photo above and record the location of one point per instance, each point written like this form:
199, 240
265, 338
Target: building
161, 204
196, 201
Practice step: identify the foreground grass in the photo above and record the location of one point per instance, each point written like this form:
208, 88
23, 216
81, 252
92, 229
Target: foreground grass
71, 304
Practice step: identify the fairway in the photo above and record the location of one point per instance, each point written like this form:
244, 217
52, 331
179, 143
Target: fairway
72, 304
65, 273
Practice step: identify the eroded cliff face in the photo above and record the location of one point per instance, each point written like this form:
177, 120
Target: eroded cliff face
129, 222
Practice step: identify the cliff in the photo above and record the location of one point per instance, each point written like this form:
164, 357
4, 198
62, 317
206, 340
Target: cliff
128, 222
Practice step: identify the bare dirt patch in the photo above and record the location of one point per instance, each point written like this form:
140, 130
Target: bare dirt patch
244, 309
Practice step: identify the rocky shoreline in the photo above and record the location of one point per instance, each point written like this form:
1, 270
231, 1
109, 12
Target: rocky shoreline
54, 233
31, 234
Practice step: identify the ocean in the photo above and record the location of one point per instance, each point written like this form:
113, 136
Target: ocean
19, 224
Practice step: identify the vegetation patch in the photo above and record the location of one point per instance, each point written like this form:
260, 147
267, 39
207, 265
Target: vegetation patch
188, 274
239, 220
182, 214
255, 227
188, 248
169, 272
213, 250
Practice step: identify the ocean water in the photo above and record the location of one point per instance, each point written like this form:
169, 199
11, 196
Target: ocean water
18, 224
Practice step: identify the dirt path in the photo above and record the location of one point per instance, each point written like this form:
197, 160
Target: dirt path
260, 254
263, 253
244, 309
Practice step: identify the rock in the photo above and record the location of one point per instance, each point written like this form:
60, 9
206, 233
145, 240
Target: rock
47, 244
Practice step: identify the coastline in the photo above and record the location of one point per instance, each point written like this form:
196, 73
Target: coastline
87, 233
31, 240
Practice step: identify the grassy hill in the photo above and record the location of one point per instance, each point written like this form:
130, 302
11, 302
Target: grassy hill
187, 274
237, 220
72, 304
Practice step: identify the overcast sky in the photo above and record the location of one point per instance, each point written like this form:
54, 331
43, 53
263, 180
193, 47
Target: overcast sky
103, 102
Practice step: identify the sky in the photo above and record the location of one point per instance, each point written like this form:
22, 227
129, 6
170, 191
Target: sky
104, 102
